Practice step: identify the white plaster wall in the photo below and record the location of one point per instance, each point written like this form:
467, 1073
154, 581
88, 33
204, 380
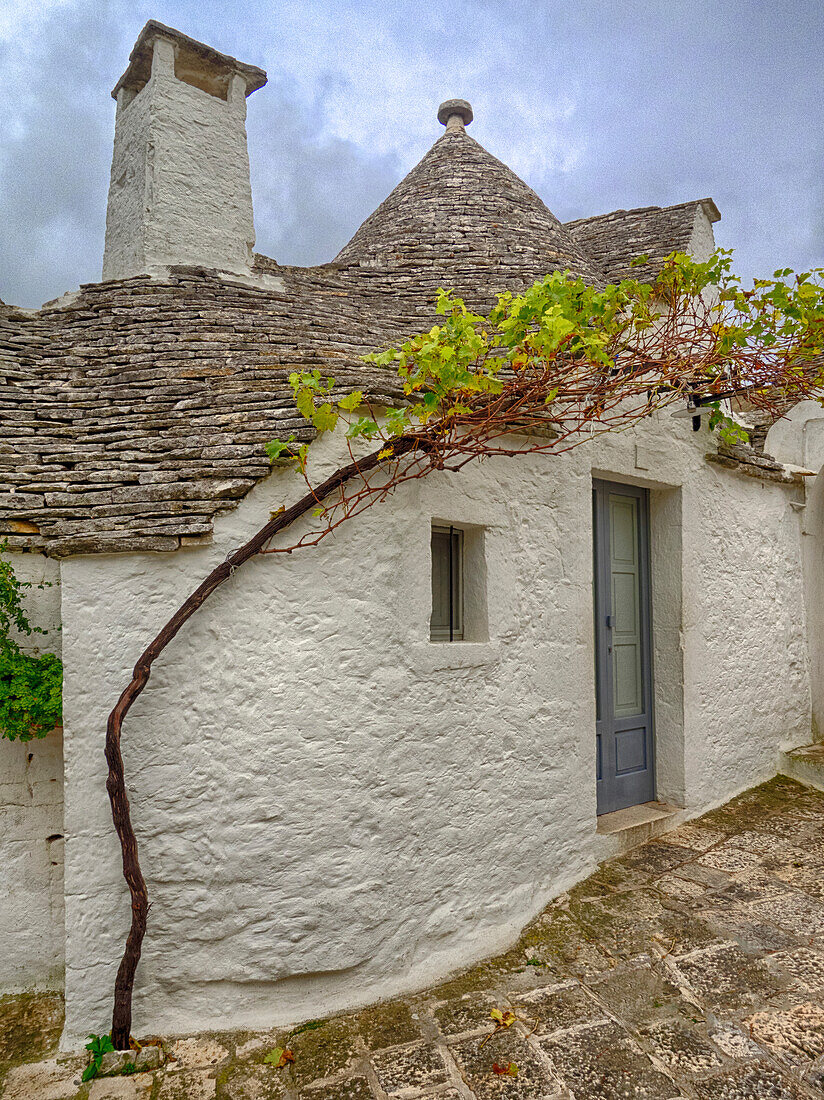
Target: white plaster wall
746, 671
798, 437
180, 191
31, 821
330, 808
813, 547
702, 240
666, 562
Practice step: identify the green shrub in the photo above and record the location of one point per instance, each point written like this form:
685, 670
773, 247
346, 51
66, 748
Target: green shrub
31, 685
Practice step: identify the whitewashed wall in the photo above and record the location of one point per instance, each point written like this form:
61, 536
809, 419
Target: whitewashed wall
813, 547
330, 808
798, 439
31, 821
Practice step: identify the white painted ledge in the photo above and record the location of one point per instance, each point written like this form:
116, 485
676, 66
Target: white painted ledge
442, 656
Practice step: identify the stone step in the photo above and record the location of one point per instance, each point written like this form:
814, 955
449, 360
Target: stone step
623, 830
806, 764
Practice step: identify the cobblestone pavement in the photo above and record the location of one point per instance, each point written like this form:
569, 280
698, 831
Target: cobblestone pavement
691, 967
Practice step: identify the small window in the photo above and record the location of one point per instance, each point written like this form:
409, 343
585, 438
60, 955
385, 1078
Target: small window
446, 624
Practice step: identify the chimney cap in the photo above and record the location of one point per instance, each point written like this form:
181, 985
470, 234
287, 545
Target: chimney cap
140, 59
459, 107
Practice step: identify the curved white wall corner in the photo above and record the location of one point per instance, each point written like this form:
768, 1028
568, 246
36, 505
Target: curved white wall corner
798, 438
813, 548
746, 685
330, 808
31, 820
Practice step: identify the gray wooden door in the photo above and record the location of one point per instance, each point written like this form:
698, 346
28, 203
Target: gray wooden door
625, 767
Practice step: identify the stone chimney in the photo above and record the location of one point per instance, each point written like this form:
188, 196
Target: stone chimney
180, 190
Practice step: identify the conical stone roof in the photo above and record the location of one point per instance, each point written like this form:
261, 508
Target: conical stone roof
463, 219
136, 410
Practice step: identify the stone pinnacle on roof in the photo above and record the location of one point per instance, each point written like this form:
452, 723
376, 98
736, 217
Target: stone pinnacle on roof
462, 219
454, 114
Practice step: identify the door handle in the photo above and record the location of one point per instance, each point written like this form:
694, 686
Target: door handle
609, 622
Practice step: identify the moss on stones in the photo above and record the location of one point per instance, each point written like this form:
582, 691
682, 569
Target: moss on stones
249, 1082
388, 1025
322, 1051
30, 1026
476, 978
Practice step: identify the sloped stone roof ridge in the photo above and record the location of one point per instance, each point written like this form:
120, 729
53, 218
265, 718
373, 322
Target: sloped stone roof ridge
135, 411
616, 239
464, 218
133, 414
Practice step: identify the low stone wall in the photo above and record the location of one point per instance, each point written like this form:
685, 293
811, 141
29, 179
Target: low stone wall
31, 864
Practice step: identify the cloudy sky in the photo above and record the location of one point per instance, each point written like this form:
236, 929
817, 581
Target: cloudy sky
598, 104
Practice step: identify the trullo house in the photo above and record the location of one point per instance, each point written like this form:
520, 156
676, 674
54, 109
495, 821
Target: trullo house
364, 765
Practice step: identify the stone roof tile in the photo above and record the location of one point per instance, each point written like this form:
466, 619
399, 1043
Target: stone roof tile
463, 219
139, 409
616, 239
133, 412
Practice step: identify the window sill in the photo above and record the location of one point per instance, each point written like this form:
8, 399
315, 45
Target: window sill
438, 656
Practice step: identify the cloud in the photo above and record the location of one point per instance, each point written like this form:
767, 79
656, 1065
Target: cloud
598, 105
21, 18
56, 152
311, 188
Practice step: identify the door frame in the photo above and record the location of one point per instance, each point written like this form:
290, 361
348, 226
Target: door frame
601, 487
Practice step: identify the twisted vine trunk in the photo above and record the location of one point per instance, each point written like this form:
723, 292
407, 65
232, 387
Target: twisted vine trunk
116, 782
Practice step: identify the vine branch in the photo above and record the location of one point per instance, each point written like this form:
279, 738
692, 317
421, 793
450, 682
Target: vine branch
553, 367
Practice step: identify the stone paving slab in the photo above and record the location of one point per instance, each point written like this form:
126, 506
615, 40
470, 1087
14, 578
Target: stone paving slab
689, 969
